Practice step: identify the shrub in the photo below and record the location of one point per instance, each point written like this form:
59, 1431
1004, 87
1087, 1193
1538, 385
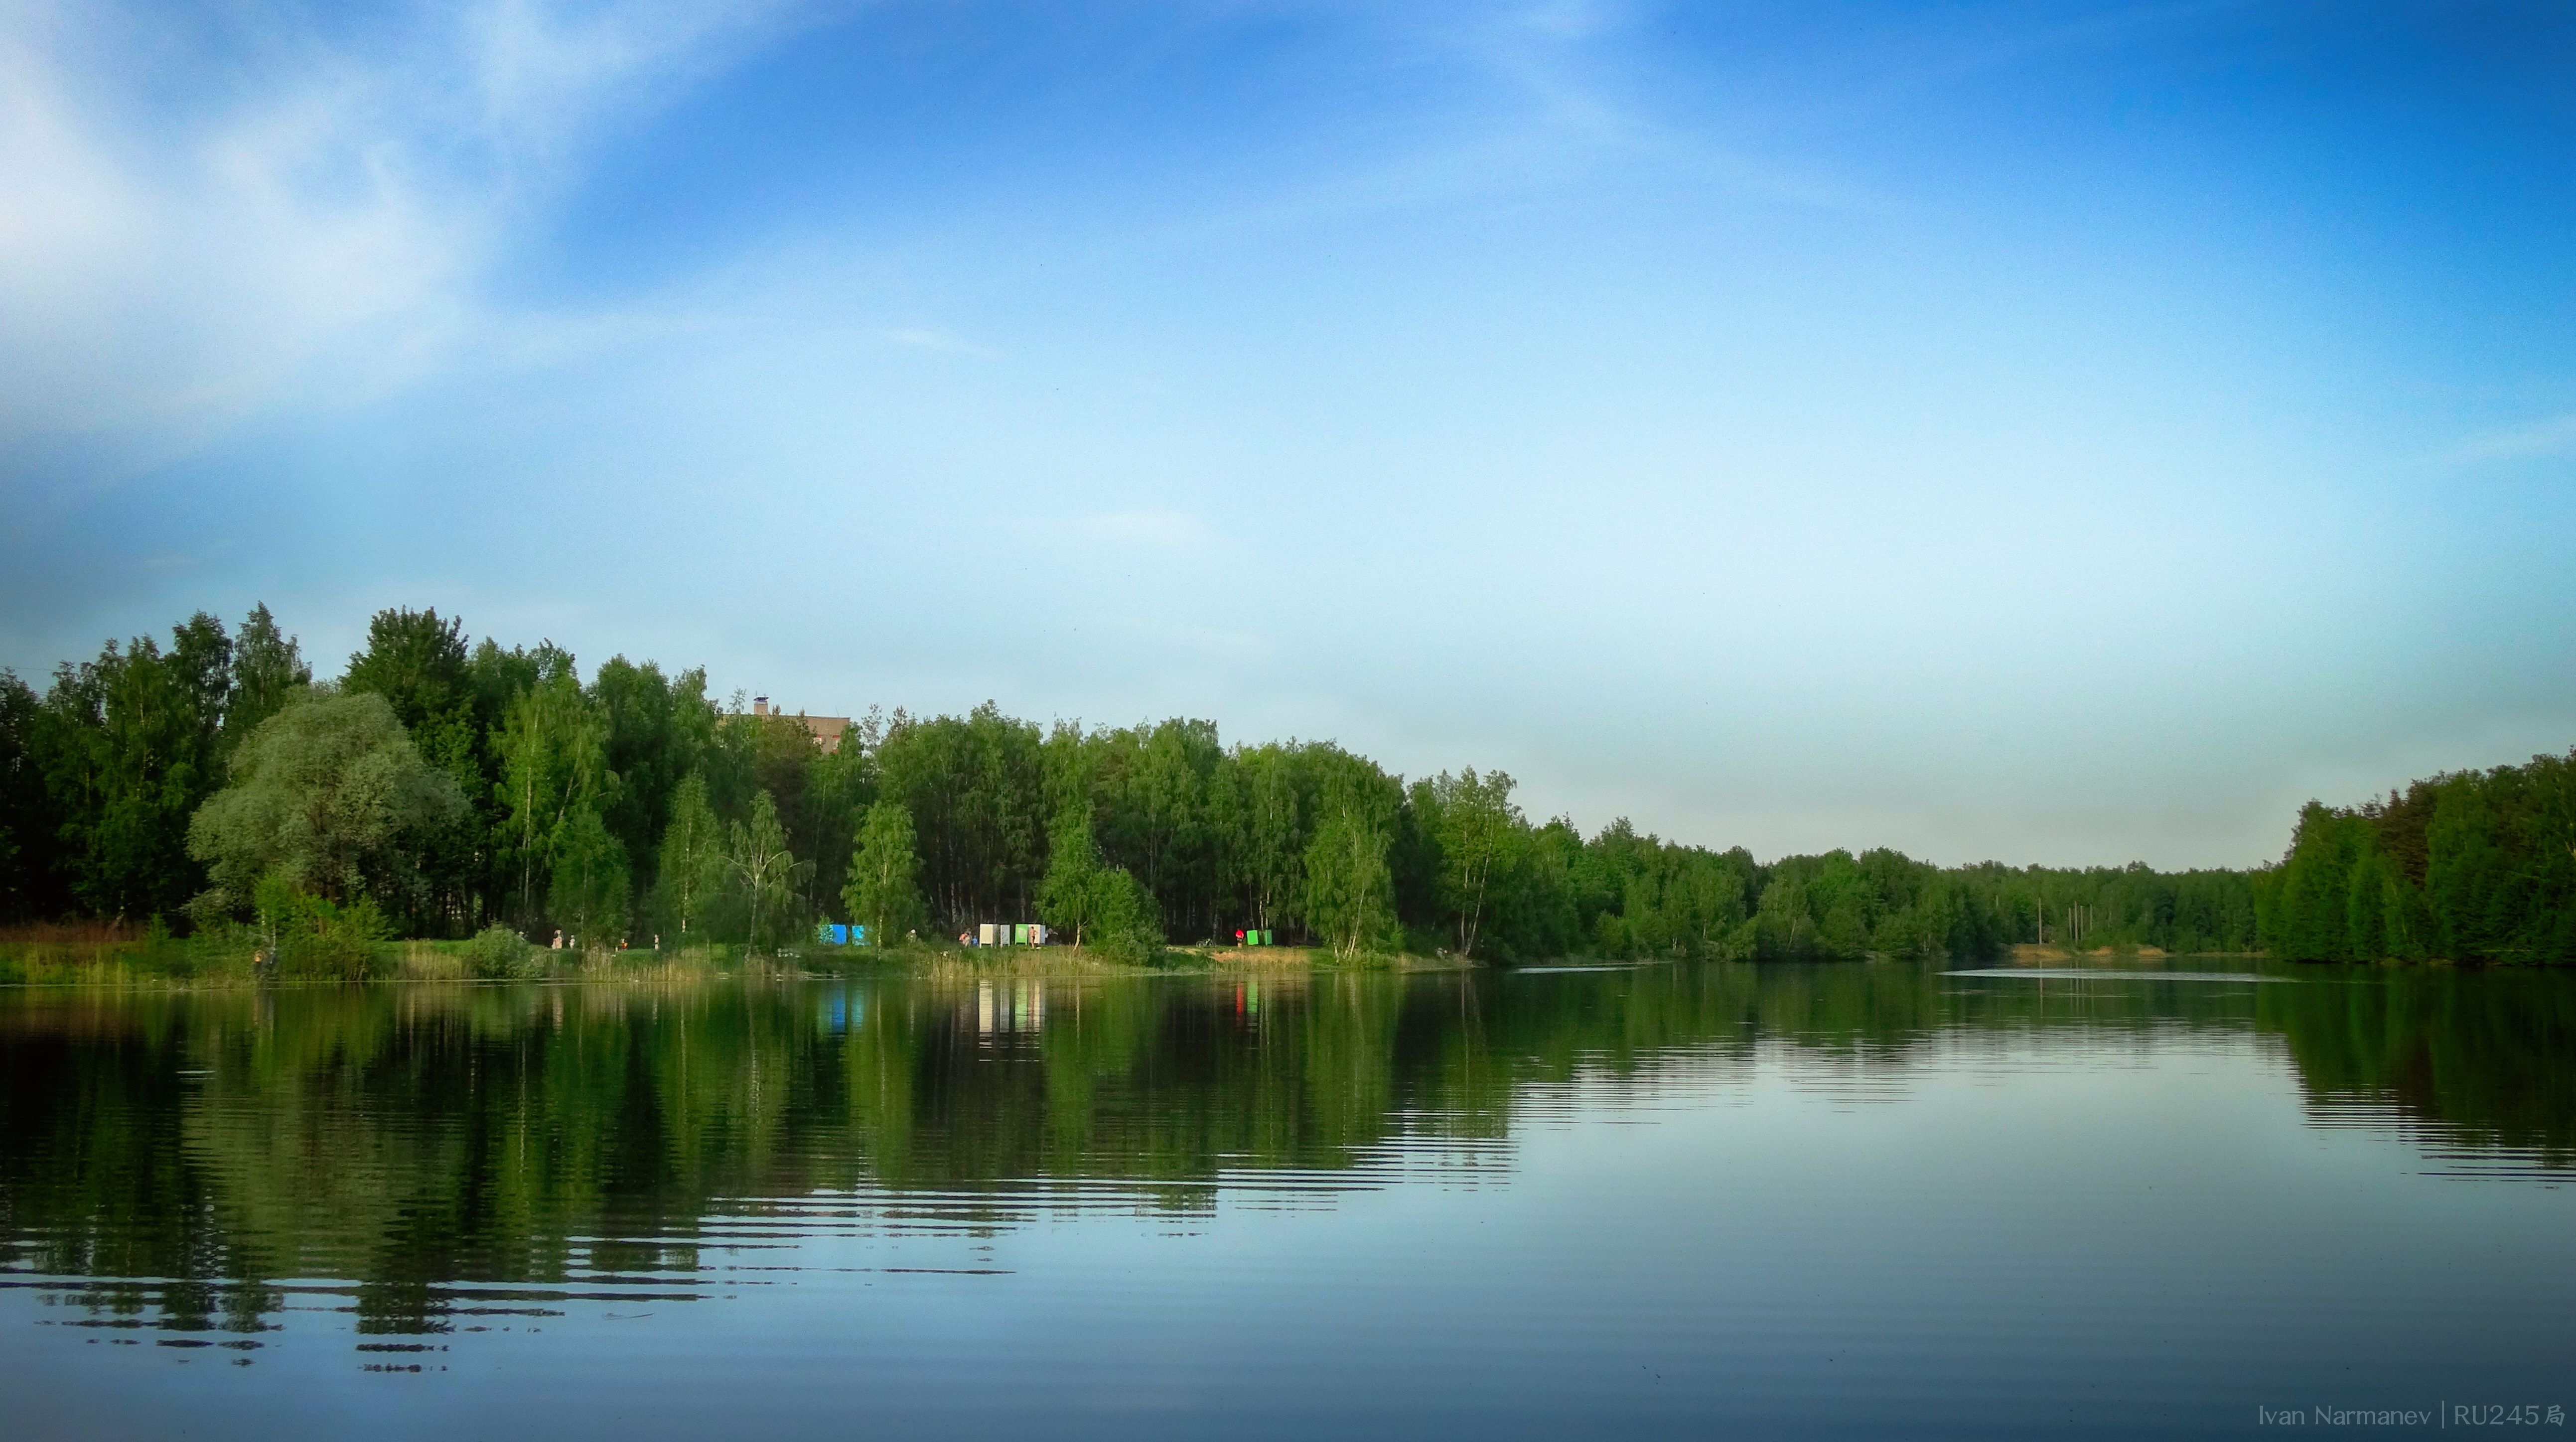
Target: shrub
499, 954
321, 938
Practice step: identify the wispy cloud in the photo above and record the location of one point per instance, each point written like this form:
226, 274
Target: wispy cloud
2553, 437
925, 338
1147, 530
166, 272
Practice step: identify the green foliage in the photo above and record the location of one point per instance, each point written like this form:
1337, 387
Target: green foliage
1269, 863
2470, 866
1479, 833
268, 669
764, 873
499, 954
590, 890
973, 787
417, 662
734, 826
328, 797
881, 892
691, 863
840, 788
1157, 816
1350, 894
1126, 925
314, 938
1098, 905
1068, 899
654, 736
27, 821
553, 766
130, 750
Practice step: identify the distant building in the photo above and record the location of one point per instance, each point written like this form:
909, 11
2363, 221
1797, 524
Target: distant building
827, 729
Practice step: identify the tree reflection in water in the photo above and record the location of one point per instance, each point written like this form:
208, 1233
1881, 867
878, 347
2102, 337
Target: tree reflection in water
436, 1156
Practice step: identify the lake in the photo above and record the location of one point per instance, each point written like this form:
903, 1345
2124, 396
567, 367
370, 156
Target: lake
1866, 1199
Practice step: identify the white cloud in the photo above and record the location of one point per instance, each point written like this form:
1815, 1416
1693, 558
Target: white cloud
162, 278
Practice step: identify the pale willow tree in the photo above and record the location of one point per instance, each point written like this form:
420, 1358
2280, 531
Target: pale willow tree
1479, 829
763, 867
328, 796
1350, 892
883, 892
692, 861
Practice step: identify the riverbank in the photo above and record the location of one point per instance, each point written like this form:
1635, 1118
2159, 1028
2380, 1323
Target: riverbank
1055, 961
96, 955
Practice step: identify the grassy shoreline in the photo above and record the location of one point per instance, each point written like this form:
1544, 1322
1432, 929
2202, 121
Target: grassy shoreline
108, 956
99, 957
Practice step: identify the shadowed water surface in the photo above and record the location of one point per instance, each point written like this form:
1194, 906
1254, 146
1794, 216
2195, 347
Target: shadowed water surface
1824, 1200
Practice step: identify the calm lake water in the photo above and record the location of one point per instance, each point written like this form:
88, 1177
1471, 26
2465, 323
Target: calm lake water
1839, 1200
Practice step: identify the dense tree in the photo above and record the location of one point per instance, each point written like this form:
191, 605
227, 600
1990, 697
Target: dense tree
690, 866
131, 750
883, 892
840, 787
2469, 866
27, 821
1478, 831
1269, 844
102, 773
973, 786
1092, 901
1350, 894
1126, 922
1155, 817
654, 732
589, 891
419, 664
268, 668
328, 795
554, 765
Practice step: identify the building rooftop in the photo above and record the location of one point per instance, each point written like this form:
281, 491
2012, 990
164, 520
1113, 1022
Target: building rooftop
827, 729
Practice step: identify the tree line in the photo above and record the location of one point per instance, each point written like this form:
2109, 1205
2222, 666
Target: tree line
2465, 866
439, 787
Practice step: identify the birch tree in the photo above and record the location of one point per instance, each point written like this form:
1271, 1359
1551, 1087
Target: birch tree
553, 761
1350, 893
1477, 826
692, 857
764, 867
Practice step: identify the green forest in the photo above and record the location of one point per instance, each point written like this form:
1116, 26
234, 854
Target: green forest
2474, 865
445, 788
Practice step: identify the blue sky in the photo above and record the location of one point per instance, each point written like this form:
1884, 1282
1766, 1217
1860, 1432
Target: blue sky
2050, 433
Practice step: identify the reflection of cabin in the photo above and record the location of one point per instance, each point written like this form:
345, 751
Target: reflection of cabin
1019, 1007
827, 729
